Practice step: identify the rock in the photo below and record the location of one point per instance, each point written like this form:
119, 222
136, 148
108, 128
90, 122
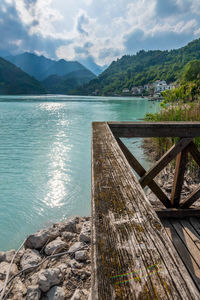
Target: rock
4, 266
74, 264
85, 233
76, 247
18, 289
49, 277
30, 258
7, 256
76, 295
69, 225
1, 285
81, 255
33, 292
62, 267
40, 238
56, 293
33, 280
68, 236
55, 246
2, 256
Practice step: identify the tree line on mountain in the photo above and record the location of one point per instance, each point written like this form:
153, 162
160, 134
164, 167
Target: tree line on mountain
143, 68
28, 73
31, 74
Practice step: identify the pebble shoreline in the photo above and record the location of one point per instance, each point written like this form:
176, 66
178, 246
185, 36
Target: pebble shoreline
66, 276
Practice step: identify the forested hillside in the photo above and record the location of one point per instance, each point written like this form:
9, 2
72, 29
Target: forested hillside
13, 81
144, 67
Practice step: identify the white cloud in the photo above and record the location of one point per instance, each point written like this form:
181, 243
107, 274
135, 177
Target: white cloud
105, 30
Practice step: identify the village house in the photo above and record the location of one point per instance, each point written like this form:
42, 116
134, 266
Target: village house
125, 90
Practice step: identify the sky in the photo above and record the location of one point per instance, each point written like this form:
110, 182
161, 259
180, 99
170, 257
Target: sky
96, 31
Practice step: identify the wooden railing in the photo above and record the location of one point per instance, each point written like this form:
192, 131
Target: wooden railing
186, 132
132, 255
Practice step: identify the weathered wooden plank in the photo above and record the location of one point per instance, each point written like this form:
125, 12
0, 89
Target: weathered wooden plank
141, 172
194, 152
183, 251
181, 161
191, 232
164, 160
156, 129
133, 257
177, 213
191, 199
185, 237
195, 222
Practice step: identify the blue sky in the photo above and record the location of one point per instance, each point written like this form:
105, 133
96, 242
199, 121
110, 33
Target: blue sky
97, 31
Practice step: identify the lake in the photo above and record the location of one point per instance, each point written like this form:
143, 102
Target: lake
45, 157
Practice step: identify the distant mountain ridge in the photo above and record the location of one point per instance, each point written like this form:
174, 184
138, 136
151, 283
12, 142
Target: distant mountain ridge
141, 68
32, 64
41, 67
56, 84
13, 81
63, 67
53, 74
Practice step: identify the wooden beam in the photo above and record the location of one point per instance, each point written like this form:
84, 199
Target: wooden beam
181, 161
155, 129
194, 152
132, 255
141, 172
191, 199
177, 213
164, 160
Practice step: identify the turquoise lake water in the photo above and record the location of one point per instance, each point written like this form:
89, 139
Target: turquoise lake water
45, 157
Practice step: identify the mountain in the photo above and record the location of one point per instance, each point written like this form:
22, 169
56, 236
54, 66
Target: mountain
63, 67
56, 84
32, 64
142, 68
90, 64
13, 81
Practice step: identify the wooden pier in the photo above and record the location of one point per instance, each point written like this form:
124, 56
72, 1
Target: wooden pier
135, 253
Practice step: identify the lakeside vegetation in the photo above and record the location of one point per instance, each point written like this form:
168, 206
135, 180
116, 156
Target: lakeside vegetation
180, 104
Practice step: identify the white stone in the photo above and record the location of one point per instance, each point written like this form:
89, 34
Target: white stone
56, 293
33, 292
81, 255
76, 295
85, 232
30, 258
4, 266
55, 246
69, 225
40, 238
49, 277
76, 247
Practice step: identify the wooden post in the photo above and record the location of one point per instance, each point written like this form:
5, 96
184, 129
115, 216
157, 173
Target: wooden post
181, 161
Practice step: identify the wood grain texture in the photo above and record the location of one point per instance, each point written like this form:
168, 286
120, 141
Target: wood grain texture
194, 152
132, 256
181, 161
155, 129
164, 160
191, 198
177, 213
177, 235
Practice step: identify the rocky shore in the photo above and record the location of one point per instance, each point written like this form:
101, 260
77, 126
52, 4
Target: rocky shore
53, 264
